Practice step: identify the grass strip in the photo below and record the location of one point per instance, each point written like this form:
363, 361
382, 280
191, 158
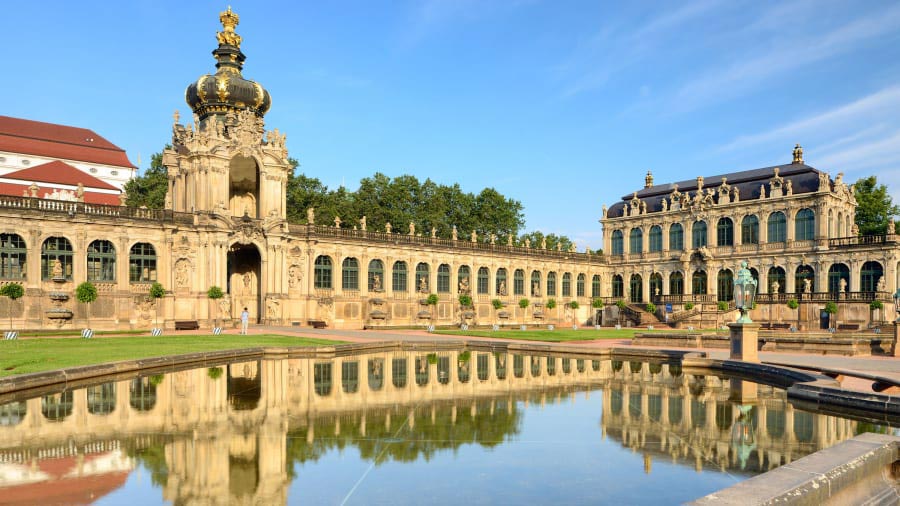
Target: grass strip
23, 356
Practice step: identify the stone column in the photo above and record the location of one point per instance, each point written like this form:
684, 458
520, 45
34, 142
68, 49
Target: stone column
744, 341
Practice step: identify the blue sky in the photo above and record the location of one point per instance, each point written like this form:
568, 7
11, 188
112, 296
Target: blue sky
563, 105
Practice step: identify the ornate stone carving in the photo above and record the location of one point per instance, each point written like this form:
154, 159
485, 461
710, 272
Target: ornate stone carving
182, 273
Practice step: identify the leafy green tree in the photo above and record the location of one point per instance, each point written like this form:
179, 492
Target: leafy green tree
215, 293
432, 301
523, 303
875, 207
11, 291
552, 240
157, 292
86, 293
149, 189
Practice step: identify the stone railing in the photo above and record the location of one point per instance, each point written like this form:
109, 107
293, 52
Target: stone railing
862, 241
100, 210
782, 298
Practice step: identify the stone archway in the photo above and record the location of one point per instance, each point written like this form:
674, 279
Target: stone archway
243, 187
244, 280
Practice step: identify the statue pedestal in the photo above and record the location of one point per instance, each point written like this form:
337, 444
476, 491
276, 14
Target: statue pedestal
744, 341
895, 350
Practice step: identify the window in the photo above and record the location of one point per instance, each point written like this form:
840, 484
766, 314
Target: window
618, 286
399, 277
655, 238
698, 283
698, 235
501, 282
535, 283
676, 283
322, 274
93, 170
567, 285
551, 284
399, 371
676, 237
725, 288
56, 258
725, 232
805, 225
376, 276
636, 288
13, 256
113, 173
422, 275
350, 377
519, 282
803, 274
350, 274
579, 285
443, 279
142, 263
463, 278
776, 275
777, 227
635, 241
750, 230
618, 243
869, 276
101, 261
656, 285
836, 273
484, 277
26, 162
322, 374
595, 286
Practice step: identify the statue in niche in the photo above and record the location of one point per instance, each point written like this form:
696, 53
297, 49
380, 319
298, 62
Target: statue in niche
807, 285
453, 233
225, 306
880, 286
388, 228
376, 282
182, 273
247, 281
842, 285
412, 228
337, 222
57, 270
656, 291
362, 223
535, 289
423, 284
776, 286
271, 308
502, 287
464, 285
311, 216
295, 274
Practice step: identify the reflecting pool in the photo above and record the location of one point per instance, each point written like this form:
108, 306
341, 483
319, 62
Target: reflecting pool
404, 427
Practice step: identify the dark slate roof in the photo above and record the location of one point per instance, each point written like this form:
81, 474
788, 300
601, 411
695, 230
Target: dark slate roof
804, 179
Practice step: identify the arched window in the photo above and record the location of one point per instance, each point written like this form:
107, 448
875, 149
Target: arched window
142, 393
579, 285
776, 275
725, 285
676, 283
399, 277
13, 255
535, 283
869, 275
698, 235
443, 278
840, 225
636, 241
698, 283
501, 288
567, 285
56, 248
655, 284
551, 284
595, 286
805, 225
463, 279
655, 238
350, 274
322, 273
101, 399
831, 223
57, 407
636, 288
725, 232
519, 282
422, 281
777, 227
676, 237
142, 263
484, 276
618, 288
836, 273
101, 261
618, 242
322, 378
803, 274
750, 230
376, 276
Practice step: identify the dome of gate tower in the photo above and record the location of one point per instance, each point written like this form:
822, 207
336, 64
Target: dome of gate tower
227, 90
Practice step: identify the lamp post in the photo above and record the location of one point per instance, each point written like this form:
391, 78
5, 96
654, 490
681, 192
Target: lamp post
894, 349
744, 333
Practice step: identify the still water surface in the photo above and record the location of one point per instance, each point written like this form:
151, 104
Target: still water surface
404, 427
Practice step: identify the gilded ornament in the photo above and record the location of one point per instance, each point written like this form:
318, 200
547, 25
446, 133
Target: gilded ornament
222, 87
201, 87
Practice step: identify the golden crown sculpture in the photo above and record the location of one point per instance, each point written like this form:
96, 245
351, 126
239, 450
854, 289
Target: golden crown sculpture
229, 20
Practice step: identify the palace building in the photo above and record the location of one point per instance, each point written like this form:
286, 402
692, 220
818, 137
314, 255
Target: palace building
224, 224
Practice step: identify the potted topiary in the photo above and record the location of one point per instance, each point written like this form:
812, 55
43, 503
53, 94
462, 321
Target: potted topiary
688, 306
86, 293
523, 303
792, 303
157, 292
875, 305
831, 308
214, 294
465, 300
621, 305
551, 305
11, 291
650, 308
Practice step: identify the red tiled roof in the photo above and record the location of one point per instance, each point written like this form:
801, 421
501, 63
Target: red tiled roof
58, 172
58, 141
89, 196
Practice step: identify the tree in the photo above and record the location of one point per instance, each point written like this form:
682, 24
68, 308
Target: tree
157, 292
149, 189
523, 303
11, 291
432, 301
551, 304
831, 308
86, 293
537, 236
215, 293
875, 207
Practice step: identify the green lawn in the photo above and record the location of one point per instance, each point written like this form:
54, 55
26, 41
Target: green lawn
32, 355
554, 336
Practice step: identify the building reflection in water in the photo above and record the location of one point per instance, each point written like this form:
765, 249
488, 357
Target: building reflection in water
234, 433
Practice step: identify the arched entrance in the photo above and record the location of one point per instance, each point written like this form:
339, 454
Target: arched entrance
636, 288
244, 286
243, 187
